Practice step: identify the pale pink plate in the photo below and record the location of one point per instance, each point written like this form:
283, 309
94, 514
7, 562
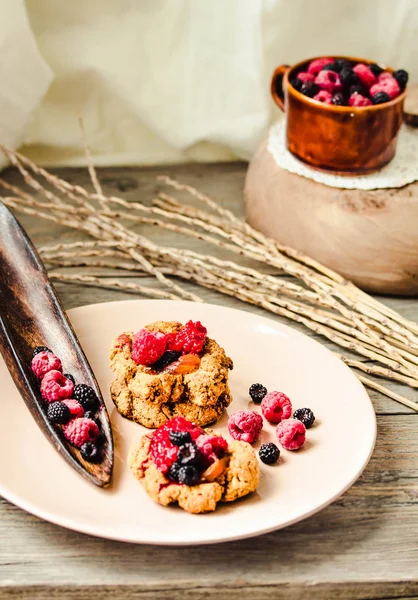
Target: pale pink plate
34, 477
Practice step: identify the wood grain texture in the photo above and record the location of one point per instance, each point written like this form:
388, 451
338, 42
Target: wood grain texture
370, 237
364, 546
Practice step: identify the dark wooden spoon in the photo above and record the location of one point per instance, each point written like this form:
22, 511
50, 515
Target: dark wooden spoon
31, 315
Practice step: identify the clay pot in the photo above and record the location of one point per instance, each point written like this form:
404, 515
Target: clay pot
369, 237
342, 139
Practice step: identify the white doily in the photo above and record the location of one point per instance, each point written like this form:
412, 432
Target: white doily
403, 169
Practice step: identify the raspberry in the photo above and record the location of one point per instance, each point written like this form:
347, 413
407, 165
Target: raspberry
401, 77
245, 425
276, 406
45, 361
190, 339
164, 453
338, 99
269, 453
173, 343
380, 98
323, 96
182, 424
384, 75
211, 447
54, 386
375, 69
74, 407
365, 74
147, 347
304, 76
388, 85
257, 392
306, 416
40, 349
309, 89
291, 434
317, 65
58, 413
90, 452
329, 81
86, 396
80, 431
358, 100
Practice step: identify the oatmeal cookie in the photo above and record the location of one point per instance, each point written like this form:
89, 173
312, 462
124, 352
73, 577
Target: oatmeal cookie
151, 397
239, 478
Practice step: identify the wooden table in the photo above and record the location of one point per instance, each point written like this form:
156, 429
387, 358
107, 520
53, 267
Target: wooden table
365, 545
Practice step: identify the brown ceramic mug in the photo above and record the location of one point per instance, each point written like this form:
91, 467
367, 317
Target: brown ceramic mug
343, 139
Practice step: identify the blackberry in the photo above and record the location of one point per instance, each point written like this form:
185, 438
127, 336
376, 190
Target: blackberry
70, 377
173, 472
257, 392
342, 63
348, 77
90, 452
305, 415
189, 454
338, 99
269, 453
59, 413
167, 358
101, 439
309, 88
188, 474
401, 77
297, 83
86, 396
179, 438
380, 97
40, 349
375, 69
358, 89
331, 67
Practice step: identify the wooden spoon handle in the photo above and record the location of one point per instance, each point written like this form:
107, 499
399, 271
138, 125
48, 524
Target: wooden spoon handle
31, 315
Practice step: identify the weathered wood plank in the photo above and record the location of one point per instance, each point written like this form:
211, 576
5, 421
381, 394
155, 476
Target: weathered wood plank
376, 591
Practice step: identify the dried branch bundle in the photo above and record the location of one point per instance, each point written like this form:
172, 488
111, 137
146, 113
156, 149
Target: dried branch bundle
296, 287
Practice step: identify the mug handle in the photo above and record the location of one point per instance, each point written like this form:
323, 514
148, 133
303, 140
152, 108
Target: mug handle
276, 87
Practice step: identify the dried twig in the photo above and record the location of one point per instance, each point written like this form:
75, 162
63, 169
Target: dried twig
296, 287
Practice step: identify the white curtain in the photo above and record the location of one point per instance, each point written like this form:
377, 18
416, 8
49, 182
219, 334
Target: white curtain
171, 80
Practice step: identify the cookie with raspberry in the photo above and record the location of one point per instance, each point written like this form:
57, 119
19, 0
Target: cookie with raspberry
189, 379
196, 478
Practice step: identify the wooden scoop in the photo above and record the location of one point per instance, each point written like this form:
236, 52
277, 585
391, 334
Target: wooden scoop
31, 315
